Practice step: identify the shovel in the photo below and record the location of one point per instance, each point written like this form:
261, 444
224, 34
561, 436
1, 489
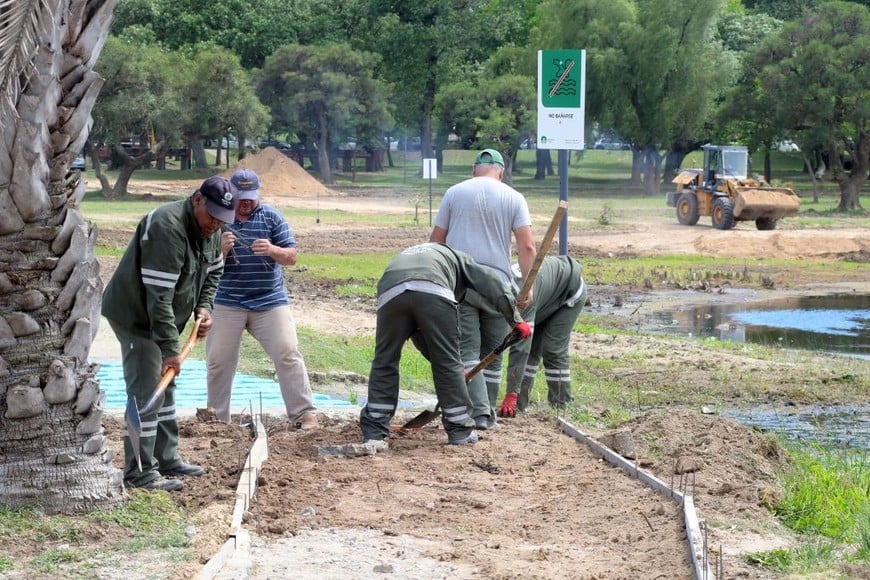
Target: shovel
134, 416
170, 373
427, 416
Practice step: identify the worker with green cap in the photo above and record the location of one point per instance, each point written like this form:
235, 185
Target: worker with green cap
479, 216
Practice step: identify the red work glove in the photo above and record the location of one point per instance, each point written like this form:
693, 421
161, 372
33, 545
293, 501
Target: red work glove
523, 330
508, 406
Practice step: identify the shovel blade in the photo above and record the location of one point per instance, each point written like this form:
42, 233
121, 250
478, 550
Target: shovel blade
421, 420
134, 428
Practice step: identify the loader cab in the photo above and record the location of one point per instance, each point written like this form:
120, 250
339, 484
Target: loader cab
725, 162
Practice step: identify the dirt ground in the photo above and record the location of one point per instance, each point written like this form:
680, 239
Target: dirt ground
527, 501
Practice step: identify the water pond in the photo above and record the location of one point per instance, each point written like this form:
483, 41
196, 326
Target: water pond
841, 426
838, 323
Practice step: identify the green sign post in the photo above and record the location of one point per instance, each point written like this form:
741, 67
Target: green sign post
561, 112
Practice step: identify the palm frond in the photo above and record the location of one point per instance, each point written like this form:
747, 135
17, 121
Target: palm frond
20, 24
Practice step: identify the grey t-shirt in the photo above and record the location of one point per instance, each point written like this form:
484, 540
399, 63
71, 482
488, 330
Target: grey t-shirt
480, 215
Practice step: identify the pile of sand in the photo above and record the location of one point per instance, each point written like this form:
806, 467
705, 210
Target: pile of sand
280, 176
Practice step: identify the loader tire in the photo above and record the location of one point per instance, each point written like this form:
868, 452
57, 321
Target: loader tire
723, 213
765, 224
687, 209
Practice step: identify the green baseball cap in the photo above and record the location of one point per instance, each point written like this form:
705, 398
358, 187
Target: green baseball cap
489, 156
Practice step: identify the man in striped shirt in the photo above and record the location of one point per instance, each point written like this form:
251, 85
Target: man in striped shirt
169, 271
251, 296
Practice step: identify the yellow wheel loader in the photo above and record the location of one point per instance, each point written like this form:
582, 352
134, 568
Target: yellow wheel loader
723, 191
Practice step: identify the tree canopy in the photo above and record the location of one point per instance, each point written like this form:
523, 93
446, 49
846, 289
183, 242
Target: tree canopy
658, 71
652, 71
169, 99
323, 91
252, 30
812, 81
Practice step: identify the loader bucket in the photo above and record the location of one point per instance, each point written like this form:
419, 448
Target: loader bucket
766, 203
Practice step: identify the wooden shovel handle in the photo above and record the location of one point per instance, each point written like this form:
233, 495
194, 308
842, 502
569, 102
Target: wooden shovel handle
543, 250
185, 351
511, 339
170, 373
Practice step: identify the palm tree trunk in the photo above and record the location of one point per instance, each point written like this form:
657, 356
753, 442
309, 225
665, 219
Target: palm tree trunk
53, 452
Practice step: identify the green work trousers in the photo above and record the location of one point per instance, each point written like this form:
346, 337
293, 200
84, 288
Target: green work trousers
482, 329
158, 441
431, 321
550, 342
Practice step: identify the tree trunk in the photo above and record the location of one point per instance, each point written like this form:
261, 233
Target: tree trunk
243, 150
426, 132
124, 174
650, 163
323, 150
673, 162
852, 178
813, 176
850, 190
53, 452
637, 161
129, 164
387, 140
543, 164
197, 148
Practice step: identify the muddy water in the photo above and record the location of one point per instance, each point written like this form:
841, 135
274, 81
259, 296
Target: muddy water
837, 427
837, 323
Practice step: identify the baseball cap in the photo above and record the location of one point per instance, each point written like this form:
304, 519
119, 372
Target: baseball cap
489, 156
247, 183
220, 198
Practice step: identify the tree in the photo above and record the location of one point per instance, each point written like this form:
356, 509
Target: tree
490, 112
136, 100
216, 96
781, 9
252, 30
319, 90
427, 45
456, 109
52, 445
812, 81
176, 97
508, 116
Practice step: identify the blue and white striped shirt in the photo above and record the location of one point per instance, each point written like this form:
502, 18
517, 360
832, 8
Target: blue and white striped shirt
255, 282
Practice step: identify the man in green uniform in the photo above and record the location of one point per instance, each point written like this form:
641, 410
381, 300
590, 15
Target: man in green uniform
418, 298
560, 295
169, 271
